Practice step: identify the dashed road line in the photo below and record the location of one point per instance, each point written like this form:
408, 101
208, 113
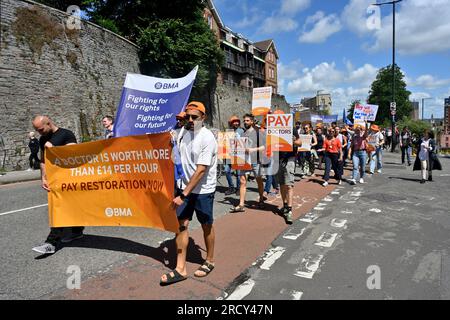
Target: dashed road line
271, 256
326, 239
309, 217
308, 266
293, 236
242, 291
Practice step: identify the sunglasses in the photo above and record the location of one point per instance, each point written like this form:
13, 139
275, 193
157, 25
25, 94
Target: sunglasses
189, 116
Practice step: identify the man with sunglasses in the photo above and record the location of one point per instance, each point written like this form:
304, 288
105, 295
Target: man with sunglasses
198, 151
53, 136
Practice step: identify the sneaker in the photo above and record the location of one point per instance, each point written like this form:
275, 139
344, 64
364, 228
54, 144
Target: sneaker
379, 170
72, 237
339, 182
46, 248
29, 169
288, 216
422, 181
325, 184
361, 180
352, 182
230, 191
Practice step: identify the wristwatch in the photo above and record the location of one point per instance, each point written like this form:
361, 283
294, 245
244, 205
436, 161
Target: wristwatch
182, 196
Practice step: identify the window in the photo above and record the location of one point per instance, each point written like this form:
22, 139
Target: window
210, 21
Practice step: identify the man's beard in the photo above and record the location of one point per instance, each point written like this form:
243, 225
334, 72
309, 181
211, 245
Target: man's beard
247, 126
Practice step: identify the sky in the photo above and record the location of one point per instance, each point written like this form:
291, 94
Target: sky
339, 45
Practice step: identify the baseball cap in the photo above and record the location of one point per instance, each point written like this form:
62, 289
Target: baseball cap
195, 105
181, 115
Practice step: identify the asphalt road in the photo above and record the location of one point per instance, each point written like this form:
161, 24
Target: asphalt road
386, 239
27, 275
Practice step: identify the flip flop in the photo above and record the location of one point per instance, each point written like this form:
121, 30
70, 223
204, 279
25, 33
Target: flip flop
177, 277
206, 268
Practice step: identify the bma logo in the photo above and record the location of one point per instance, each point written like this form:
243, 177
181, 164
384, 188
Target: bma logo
160, 85
118, 212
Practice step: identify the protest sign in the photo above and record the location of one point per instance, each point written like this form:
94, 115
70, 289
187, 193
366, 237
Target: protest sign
150, 105
126, 181
330, 119
366, 112
223, 141
261, 101
306, 142
279, 132
240, 159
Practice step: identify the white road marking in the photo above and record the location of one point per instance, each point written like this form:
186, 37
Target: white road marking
338, 223
272, 255
296, 295
309, 217
351, 202
308, 266
394, 209
335, 192
24, 209
375, 210
242, 291
444, 175
346, 211
328, 199
321, 204
293, 236
355, 194
319, 208
326, 239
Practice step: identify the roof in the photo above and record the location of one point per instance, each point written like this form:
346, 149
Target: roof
265, 46
215, 13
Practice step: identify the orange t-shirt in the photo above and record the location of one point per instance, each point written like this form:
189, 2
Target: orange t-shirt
332, 146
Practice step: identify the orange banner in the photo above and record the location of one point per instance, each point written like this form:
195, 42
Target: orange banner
127, 181
279, 132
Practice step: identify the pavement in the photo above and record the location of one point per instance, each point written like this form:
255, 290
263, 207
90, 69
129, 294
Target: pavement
19, 176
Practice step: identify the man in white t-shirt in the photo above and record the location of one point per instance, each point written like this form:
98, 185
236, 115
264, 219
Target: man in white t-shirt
198, 150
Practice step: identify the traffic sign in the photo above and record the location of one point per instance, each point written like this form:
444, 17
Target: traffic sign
393, 106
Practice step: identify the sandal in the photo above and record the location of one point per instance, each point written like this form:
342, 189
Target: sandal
237, 209
206, 268
177, 277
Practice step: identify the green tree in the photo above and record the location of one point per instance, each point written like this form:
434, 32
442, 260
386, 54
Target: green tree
381, 94
415, 126
351, 109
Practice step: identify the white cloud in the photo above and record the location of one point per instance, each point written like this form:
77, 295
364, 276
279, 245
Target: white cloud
277, 24
421, 27
364, 75
354, 16
430, 82
324, 26
291, 7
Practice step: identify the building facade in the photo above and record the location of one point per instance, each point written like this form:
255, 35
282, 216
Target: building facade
247, 64
320, 104
415, 111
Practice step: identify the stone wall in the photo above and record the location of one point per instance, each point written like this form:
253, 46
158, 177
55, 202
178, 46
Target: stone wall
74, 76
235, 100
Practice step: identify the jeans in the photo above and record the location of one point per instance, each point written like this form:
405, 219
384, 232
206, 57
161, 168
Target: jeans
359, 163
228, 174
332, 160
378, 154
406, 150
271, 180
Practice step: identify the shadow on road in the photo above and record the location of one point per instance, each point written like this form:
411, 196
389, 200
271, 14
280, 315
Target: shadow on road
165, 253
406, 179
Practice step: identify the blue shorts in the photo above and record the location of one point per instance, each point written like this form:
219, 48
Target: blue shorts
202, 204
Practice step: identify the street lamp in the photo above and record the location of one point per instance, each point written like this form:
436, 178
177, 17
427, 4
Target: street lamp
423, 106
393, 64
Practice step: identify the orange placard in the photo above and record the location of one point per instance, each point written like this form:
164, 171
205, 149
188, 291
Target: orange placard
127, 181
279, 132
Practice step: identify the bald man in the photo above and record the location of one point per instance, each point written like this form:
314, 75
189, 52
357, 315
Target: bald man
53, 136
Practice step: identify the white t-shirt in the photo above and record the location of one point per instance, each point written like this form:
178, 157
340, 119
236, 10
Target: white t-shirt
375, 139
196, 148
423, 153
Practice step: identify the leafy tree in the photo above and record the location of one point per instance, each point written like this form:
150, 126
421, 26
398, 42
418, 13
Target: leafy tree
351, 109
415, 126
381, 94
